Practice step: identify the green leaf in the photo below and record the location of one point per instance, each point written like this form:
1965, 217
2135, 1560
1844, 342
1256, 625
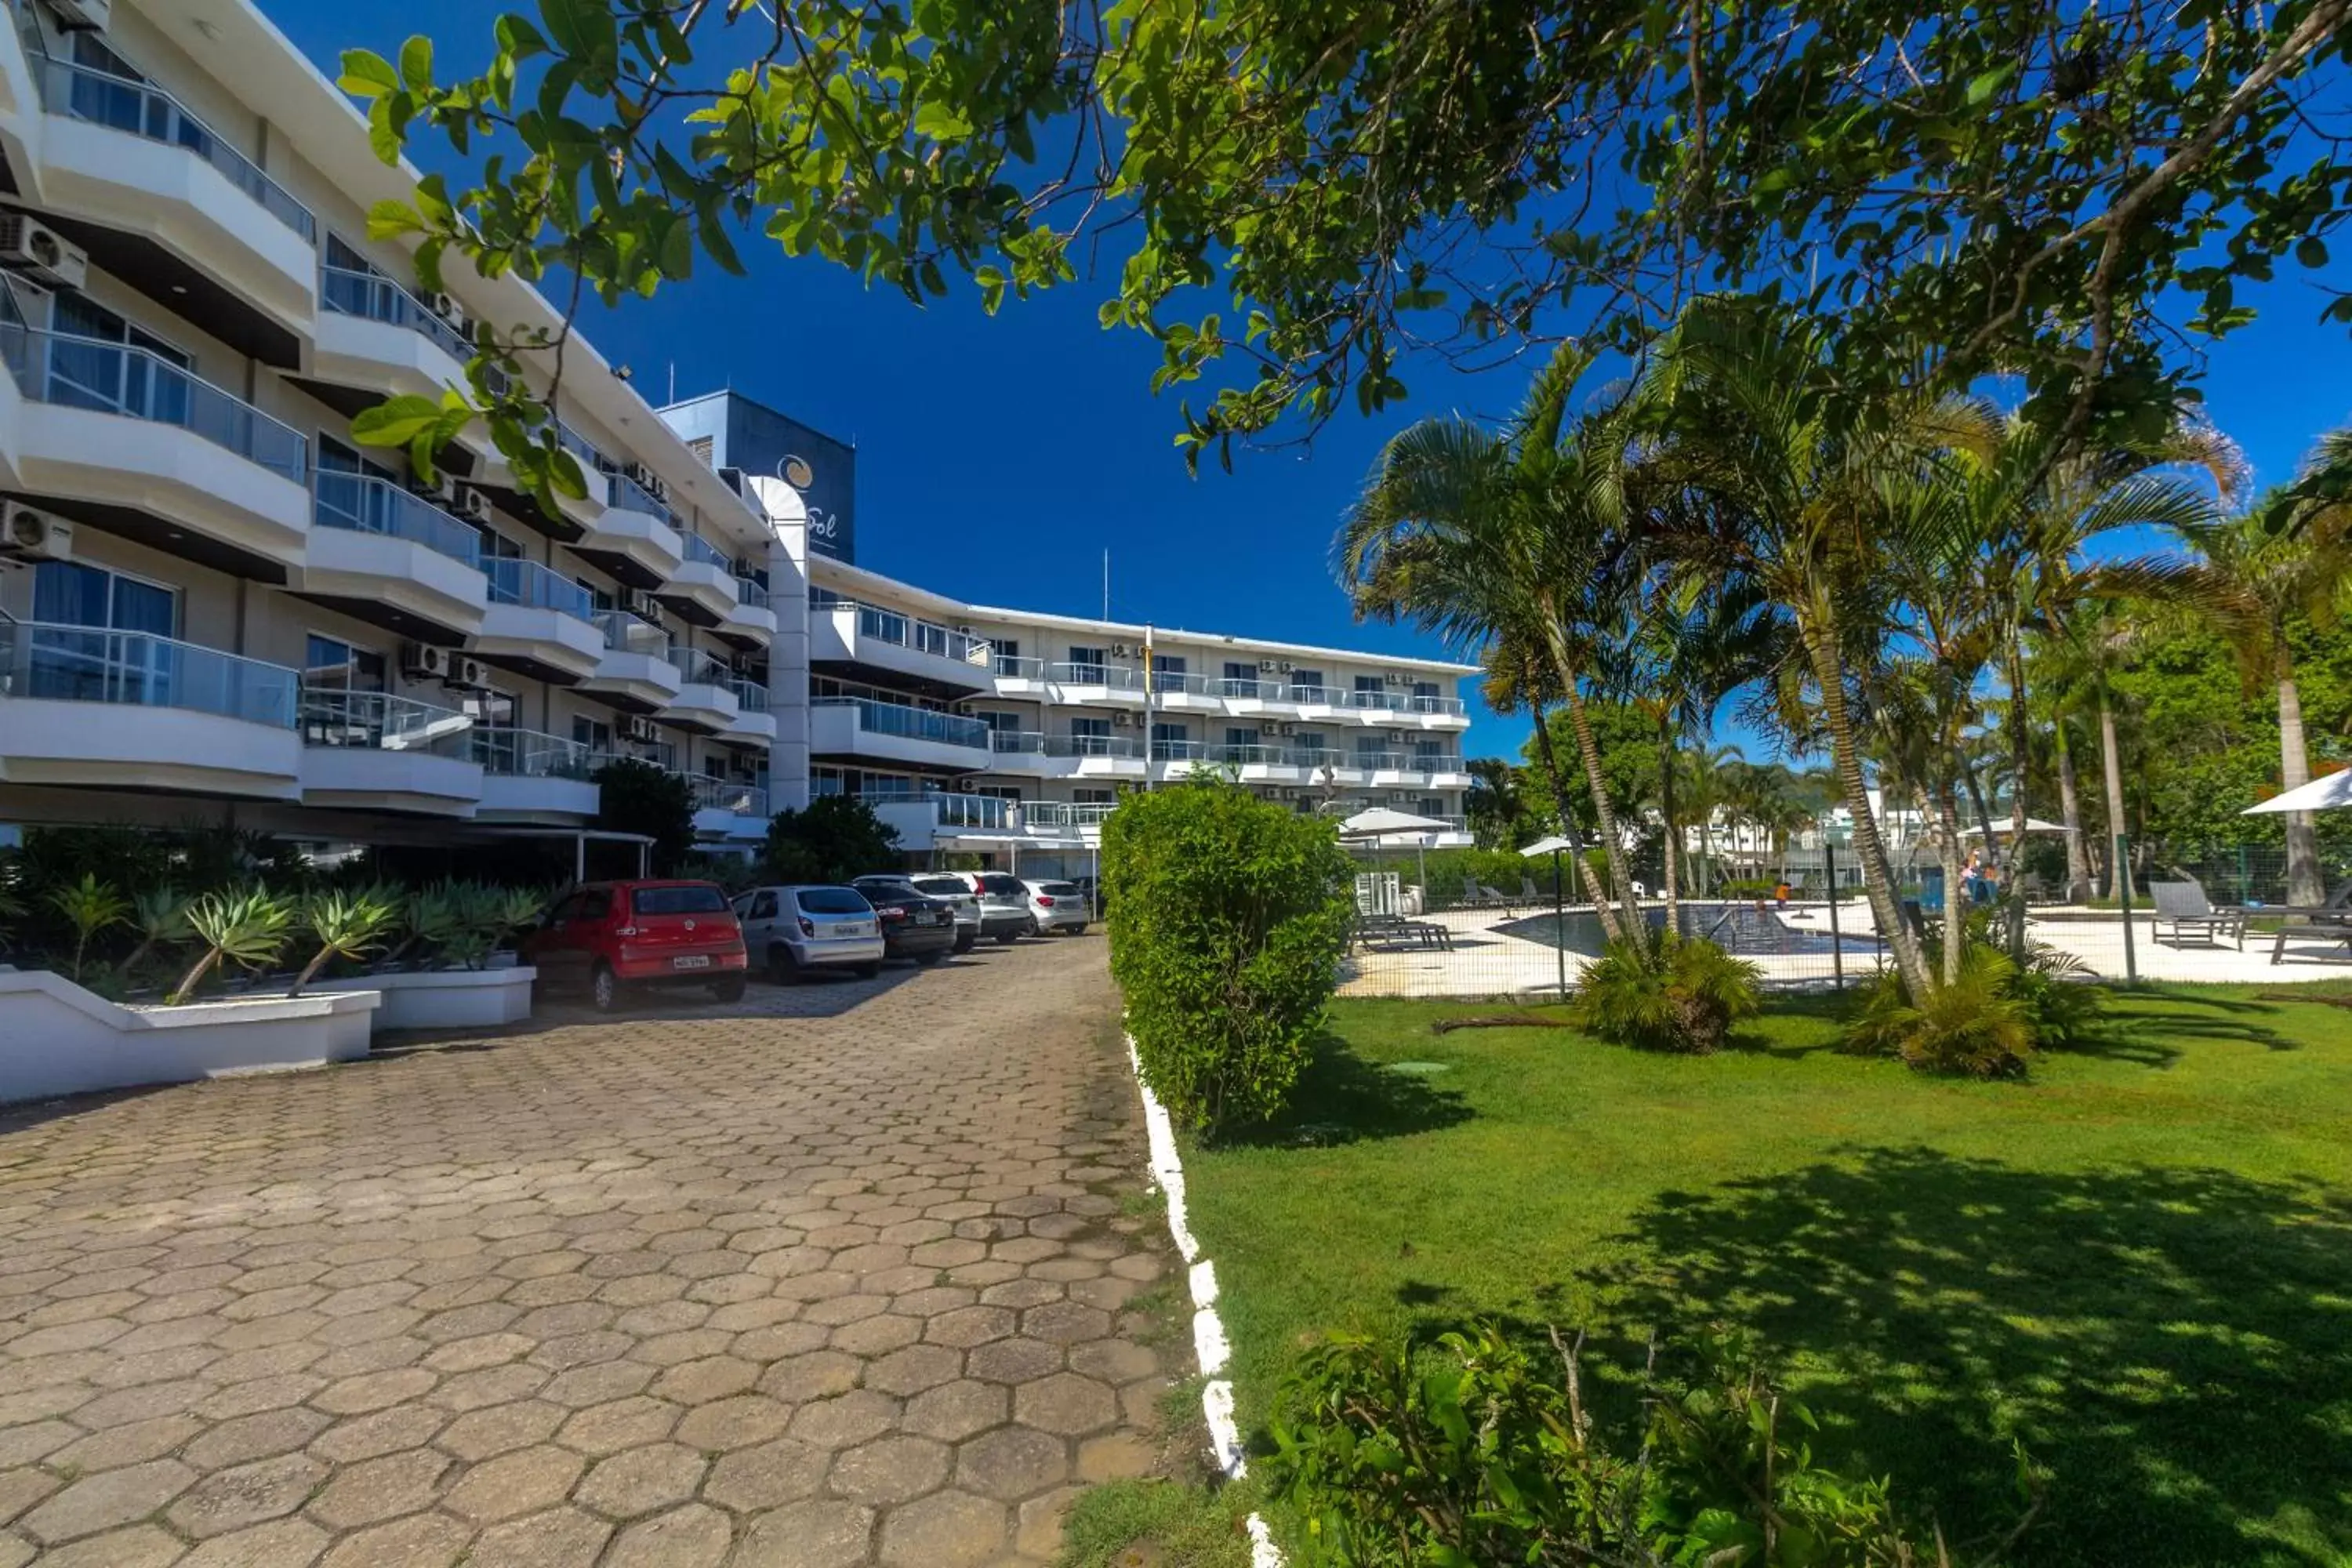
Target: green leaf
395, 422
940, 123
991, 288
367, 74
2312, 251
416, 64
391, 218
1983, 86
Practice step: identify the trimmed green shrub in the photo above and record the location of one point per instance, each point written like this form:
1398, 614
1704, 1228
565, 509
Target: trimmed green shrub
1972, 1027
837, 838
634, 796
1228, 918
1662, 993
1475, 1453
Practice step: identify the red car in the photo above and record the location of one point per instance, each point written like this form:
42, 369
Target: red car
610, 937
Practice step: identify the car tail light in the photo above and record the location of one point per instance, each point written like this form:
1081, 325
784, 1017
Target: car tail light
1045, 900
626, 930
808, 926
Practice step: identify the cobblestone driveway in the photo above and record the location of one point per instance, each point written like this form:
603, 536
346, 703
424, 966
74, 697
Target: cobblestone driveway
772, 1288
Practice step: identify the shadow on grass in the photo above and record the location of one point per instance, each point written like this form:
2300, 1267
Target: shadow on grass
1343, 1099
2174, 1345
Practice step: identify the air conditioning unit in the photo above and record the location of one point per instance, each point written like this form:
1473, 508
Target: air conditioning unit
1396, 797
473, 501
82, 15
638, 602
1282, 667
743, 567
1285, 729
635, 728
424, 661
1122, 720
1392, 678
646, 480
1287, 793
42, 252
468, 672
1121, 651
446, 306
1265, 667
28, 533
443, 488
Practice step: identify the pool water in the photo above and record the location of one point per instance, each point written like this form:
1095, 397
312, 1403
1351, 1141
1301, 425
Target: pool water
1737, 928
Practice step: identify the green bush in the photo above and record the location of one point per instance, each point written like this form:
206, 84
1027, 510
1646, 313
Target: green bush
634, 796
837, 838
1972, 1026
1228, 918
1475, 1453
1662, 993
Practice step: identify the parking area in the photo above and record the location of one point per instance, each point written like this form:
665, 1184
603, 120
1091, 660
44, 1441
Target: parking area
838, 1275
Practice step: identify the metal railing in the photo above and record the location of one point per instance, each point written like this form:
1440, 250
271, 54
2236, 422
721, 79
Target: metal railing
112, 378
972, 811
529, 754
371, 504
1170, 682
627, 634
579, 447
747, 591
526, 583
627, 495
51, 662
749, 695
376, 298
910, 723
143, 110
1252, 756
1093, 746
1113, 677
696, 667
380, 721
730, 795
1066, 813
1004, 740
1178, 751
1016, 667
908, 631
700, 549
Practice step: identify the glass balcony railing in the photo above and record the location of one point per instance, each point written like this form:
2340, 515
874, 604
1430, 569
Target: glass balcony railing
630, 496
140, 110
700, 549
1013, 666
55, 663
380, 721
589, 459
376, 298
1251, 756
111, 378
908, 631
1016, 740
1378, 761
1093, 746
696, 667
625, 633
1066, 813
1170, 682
748, 593
983, 811
533, 586
1114, 677
369, 504
910, 723
730, 795
749, 695
529, 754
1178, 751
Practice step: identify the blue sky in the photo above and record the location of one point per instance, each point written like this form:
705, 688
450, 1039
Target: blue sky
999, 457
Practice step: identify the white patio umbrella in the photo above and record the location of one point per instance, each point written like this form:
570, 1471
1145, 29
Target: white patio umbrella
2329, 791
2032, 825
1381, 822
1555, 846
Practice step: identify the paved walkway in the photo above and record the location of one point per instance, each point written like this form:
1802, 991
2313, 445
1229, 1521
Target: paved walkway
834, 1277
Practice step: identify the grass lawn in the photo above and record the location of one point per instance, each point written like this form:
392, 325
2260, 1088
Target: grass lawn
2139, 1264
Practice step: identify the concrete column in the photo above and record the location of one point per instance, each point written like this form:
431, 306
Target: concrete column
788, 656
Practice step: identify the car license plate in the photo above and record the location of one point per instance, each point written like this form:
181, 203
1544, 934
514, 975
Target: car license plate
691, 961
929, 918
845, 931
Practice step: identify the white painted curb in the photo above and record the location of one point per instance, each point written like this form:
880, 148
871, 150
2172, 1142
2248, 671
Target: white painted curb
1209, 1342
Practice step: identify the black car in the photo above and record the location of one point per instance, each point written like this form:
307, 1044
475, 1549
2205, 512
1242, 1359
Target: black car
914, 925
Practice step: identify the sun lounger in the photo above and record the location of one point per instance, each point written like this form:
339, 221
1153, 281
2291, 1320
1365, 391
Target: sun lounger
1393, 933
2183, 906
2339, 936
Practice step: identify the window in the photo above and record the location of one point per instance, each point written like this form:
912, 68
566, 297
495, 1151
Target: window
1367, 684
1167, 664
110, 382
1168, 732
1426, 753
1001, 724
332, 665
1424, 694
1093, 796
1307, 742
1241, 737
1370, 750
686, 900
1307, 682
833, 901
1099, 728
595, 905
1168, 742
1089, 657
73, 593
93, 666
1431, 805
763, 906
593, 733
1008, 654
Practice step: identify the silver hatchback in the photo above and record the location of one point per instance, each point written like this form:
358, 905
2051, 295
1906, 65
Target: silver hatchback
798, 930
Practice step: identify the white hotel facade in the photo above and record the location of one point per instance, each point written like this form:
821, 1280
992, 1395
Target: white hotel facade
215, 606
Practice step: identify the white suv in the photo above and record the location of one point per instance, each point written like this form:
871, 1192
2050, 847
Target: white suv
1057, 906
1003, 903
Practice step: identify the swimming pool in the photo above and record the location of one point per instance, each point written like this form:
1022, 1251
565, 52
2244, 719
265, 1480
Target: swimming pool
1738, 928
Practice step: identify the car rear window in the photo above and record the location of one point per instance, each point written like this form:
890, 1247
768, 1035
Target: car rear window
1000, 884
943, 887
835, 901
1059, 889
678, 901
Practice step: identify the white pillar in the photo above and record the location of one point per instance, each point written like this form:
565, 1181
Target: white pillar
788, 658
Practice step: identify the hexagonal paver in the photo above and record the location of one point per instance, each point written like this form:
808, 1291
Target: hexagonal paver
1012, 1361
642, 1482
954, 1411
1066, 1403
518, 1483
621, 1424
281, 1544
914, 1369
945, 1529
969, 1326
737, 1423
818, 1533
249, 1495
559, 1538
107, 1499
813, 1376
770, 1476
1065, 1323
380, 1488
371, 1437
1012, 1463
890, 1469
501, 1428
689, 1537
844, 1420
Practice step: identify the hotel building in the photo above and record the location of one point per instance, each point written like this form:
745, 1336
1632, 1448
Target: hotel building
215, 606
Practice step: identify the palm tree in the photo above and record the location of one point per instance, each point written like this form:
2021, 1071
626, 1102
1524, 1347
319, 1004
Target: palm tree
2275, 580
1507, 540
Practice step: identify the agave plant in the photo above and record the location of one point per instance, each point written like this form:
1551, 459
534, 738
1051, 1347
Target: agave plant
347, 926
431, 917
90, 906
161, 916
248, 927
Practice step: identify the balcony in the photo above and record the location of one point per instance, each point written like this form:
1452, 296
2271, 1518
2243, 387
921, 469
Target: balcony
933, 819
539, 623
749, 622
703, 701
159, 198
728, 808
1093, 756
371, 750
857, 728
865, 642
375, 335
392, 558
754, 725
529, 777
703, 588
638, 548
87, 709
635, 673
169, 460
